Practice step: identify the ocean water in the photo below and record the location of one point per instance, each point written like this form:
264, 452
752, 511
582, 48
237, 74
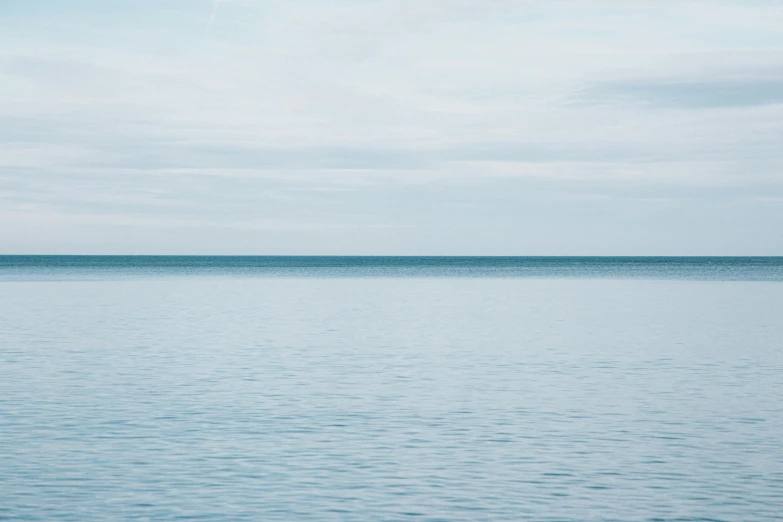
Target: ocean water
546, 389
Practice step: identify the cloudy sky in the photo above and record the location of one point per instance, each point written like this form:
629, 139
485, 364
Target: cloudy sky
518, 127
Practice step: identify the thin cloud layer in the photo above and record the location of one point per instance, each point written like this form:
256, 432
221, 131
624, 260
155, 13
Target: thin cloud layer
464, 127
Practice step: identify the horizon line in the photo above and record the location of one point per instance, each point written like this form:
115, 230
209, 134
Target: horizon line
418, 256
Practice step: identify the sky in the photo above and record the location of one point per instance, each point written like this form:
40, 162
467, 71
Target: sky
391, 127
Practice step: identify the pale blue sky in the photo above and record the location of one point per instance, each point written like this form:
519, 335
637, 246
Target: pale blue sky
517, 127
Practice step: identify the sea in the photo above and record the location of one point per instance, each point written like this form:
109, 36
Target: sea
391, 388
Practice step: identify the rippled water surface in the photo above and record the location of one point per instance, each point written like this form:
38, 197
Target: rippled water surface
177, 393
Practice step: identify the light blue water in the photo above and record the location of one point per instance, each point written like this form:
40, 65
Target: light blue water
291, 394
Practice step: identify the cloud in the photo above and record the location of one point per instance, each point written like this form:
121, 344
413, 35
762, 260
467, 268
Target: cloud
690, 94
215, 8
323, 111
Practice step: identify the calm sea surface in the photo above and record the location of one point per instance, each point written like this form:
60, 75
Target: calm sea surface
249, 388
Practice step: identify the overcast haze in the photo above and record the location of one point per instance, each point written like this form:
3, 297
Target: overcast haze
495, 127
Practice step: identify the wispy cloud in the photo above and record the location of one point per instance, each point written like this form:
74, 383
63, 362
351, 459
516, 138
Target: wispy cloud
213, 16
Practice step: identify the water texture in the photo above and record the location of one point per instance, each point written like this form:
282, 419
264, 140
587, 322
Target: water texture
294, 394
